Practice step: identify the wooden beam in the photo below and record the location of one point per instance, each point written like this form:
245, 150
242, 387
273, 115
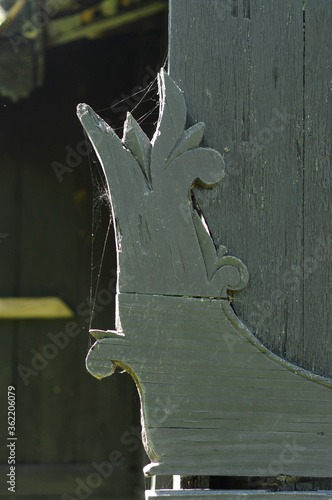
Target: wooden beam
237, 495
21, 50
34, 308
75, 27
233, 407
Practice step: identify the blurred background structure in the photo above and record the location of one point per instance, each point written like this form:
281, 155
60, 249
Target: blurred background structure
76, 437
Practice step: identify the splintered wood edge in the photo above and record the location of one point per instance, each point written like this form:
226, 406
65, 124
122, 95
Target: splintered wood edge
104, 334
34, 308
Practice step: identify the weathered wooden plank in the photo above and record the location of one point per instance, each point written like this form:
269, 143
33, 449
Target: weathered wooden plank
172, 309
237, 495
34, 307
234, 430
235, 374
317, 257
251, 99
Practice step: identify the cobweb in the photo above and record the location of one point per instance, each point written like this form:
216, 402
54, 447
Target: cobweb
143, 104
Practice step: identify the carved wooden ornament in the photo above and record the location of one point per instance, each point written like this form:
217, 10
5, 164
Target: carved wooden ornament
214, 400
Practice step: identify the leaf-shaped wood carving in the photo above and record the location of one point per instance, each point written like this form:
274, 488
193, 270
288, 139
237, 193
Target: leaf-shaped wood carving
159, 248
137, 141
214, 400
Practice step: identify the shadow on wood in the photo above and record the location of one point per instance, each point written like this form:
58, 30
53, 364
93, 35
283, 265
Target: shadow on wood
214, 400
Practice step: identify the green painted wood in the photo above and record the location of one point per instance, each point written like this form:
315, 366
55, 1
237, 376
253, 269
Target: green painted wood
199, 422
154, 256
250, 94
317, 346
255, 58
173, 314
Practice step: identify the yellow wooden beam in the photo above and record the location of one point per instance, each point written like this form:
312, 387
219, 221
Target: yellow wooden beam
75, 27
34, 308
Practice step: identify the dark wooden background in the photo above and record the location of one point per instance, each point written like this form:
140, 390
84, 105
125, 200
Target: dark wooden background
66, 419
259, 74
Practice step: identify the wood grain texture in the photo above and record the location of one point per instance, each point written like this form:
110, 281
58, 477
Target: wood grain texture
162, 245
214, 399
213, 402
271, 210
317, 258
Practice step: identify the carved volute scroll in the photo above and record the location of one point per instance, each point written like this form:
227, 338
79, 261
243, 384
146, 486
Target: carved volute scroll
214, 400
163, 246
